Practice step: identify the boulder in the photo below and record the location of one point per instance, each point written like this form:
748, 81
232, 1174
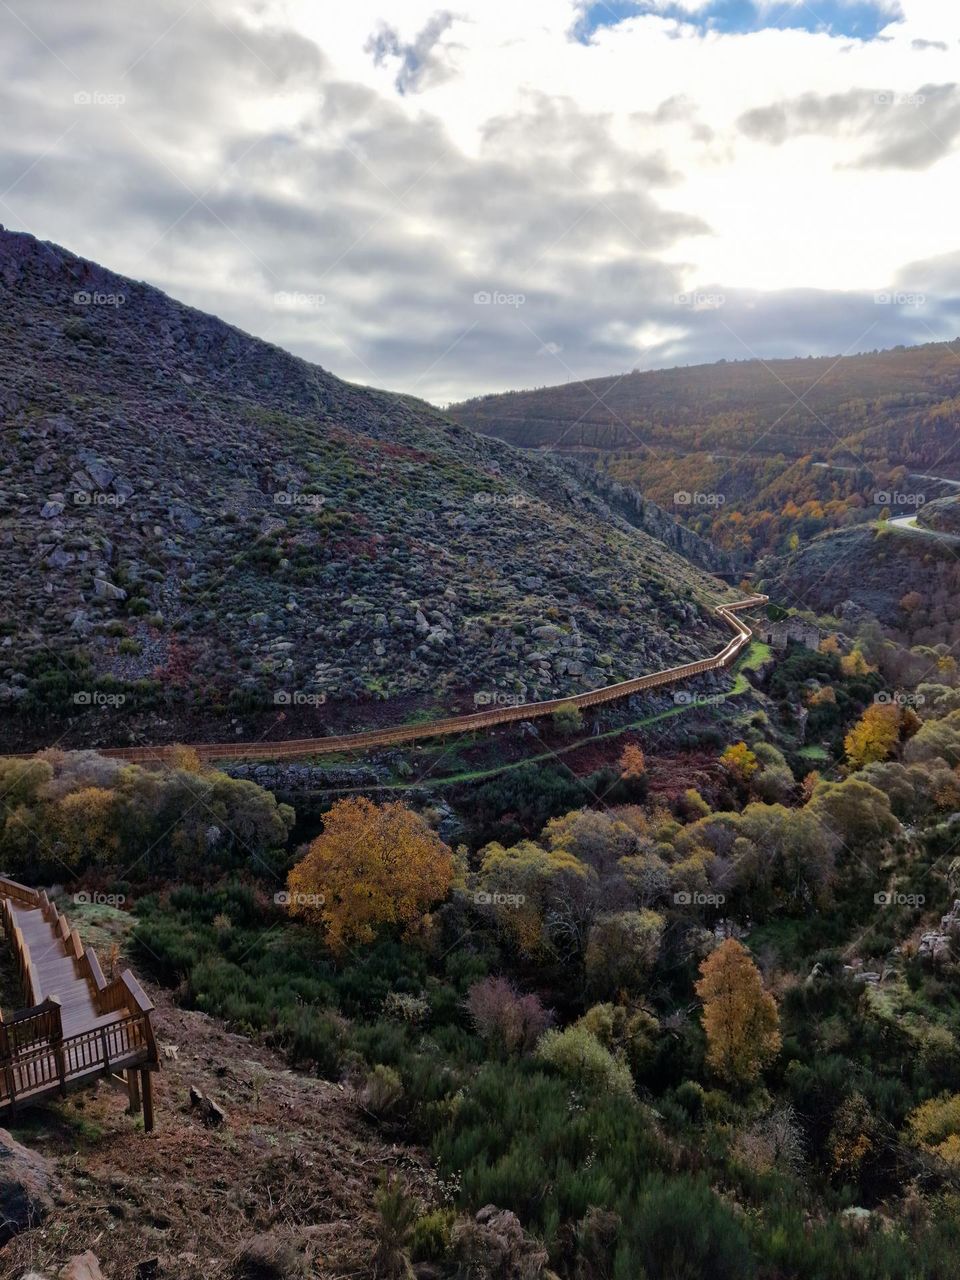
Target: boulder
82, 1266
24, 1187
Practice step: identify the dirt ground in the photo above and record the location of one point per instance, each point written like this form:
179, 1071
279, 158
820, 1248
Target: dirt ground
294, 1158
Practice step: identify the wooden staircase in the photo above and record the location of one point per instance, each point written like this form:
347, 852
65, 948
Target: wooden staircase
77, 1027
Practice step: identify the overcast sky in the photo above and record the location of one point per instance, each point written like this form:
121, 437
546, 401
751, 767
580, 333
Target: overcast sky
502, 193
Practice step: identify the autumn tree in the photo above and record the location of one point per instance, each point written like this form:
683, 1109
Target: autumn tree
740, 1018
632, 763
739, 760
371, 866
875, 734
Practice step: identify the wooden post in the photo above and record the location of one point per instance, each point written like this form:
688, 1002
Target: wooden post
146, 1084
133, 1088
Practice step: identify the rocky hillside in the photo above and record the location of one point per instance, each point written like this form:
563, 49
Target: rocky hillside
908, 579
204, 535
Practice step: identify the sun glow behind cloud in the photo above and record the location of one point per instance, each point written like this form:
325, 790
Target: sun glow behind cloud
399, 160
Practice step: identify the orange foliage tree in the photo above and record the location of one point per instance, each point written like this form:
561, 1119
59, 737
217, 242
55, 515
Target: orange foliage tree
371, 866
739, 1017
632, 763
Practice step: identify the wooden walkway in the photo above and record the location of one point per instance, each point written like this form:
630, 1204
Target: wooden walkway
77, 1027
302, 748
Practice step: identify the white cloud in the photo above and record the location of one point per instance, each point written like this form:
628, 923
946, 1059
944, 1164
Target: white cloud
399, 158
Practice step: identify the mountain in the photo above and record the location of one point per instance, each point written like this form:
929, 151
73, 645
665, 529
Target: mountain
202, 533
749, 453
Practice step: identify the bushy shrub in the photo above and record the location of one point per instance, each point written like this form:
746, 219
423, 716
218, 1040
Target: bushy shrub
508, 1021
578, 1055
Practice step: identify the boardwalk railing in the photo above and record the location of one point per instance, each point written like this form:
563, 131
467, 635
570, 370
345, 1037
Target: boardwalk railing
456, 724
36, 1058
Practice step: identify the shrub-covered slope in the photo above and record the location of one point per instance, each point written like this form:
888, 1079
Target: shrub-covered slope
197, 527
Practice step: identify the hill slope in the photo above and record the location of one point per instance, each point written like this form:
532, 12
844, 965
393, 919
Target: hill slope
198, 526
750, 453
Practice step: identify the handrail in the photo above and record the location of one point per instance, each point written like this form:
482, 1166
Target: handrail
455, 724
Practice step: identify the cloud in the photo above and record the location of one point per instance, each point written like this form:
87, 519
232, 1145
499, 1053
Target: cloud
904, 130
423, 62
247, 163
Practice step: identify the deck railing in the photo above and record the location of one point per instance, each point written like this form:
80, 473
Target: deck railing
35, 1056
397, 734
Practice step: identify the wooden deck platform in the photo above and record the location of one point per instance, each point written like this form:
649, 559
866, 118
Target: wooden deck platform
77, 1027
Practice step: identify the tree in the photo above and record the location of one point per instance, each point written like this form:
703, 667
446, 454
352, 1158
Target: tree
371, 866
739, 760
875, 734
740, 1018
632, 763
622, 949
568, 718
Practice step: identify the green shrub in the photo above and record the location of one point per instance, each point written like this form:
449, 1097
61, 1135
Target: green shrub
577, 1054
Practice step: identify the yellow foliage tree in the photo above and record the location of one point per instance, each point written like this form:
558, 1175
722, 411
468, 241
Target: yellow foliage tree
875, 734
85, 826
855, 664
185, 758
371, 866
740, 760
739, 1017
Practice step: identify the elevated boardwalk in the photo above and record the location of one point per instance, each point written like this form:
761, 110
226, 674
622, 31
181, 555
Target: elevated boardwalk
77, 1027
304, 748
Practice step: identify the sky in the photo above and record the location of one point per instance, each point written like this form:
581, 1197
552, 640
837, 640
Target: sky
449, 201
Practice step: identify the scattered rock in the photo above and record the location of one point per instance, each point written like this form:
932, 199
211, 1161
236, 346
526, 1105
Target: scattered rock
83, 1266
24, 1187
210, 1112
